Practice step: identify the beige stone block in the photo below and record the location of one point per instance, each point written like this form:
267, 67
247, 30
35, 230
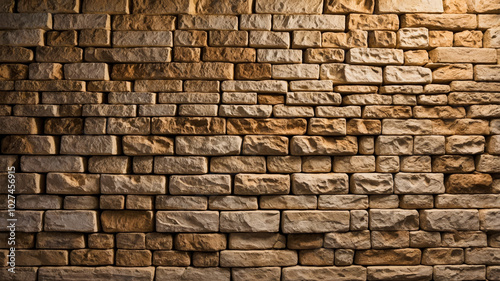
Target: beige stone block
328, 183
314, 221
72, 221
373, 22
187, 221
309, 22
200, 185
254, 221
409, 6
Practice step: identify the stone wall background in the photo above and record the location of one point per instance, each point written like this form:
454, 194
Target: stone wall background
251, 140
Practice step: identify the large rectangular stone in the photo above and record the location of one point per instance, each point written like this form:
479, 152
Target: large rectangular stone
26, 21
409, 6
29, 144
309, 22
188, 125
331, 183
174, 70
45, 164
314, 221
255, 184
407, 75
341, 73
48, 6
90, 145
449, 220
200, 185
387, 219
231, 258
192, 273
124, 55
147, 145
19, 125
406, 256
27, 221
375, 56
81, 21
288, 7
72, 183
133, 184
187, 221
393, 273
107, 273
254, 221
142, 39
463, 55
180, 165
208, 22
453, 22
298, 273
316, 145
272, 126
264, 86
23, 38
419, 183
468, 201
71, 221
238, 164
127, 221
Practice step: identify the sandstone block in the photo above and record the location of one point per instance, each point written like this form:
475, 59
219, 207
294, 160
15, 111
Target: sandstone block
232, 258
375, 56
488, 220
453, 164
351, 74
200, 242
399, 272
208, 22
72, 221
188, 125
349, 240
187, 221
256, 241
28, 221
192, 273
28, 144
293, 126
373, 22
408, 6
133, 184
174, 70
270, 273
89, 145
180, 165
454, 272
407, 75
319, 183
316, 145
44, 164
440, 21
314, 221
419, 183
462, 55
197, 185
371, 183
269, 39
249, 184
265, 145
250, 221
308, 22
296, 273
72, 183
449, 220
127, 221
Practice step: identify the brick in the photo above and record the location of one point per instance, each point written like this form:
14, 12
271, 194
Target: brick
112, 7
203, 184
96, 273
91, 257
293, 7
208, 22
71, 221
449, 220
81, 21
307, 221
192, 273
86, 71
308, 22
89, 145
28, 221
49, 6
208, 70
373, 22
132, 184
295, 273
256, 221
142, 39
127, 221
187, 221
453, 22
238, 164
22, 38
234, 258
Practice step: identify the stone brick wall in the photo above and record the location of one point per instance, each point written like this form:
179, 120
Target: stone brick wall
251, 139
